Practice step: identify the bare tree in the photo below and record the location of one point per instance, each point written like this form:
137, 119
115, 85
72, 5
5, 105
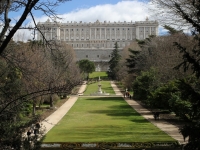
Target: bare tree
30, 70
123, 74
28, 6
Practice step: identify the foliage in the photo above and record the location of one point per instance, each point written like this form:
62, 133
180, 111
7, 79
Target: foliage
172, 30
185, 14
189, 89
144, 84
182, 108
86, 66
191, 131
114, 63
159, 98
28, 71
132, 61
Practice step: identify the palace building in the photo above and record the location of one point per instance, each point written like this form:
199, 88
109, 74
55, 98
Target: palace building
95, 41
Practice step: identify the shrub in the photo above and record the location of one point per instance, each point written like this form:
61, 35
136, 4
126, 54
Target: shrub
144, 84
159, 97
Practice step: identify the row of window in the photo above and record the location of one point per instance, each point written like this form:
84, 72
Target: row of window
109, 45
97, 29
87, 56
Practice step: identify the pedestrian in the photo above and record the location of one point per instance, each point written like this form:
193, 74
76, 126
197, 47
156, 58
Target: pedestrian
37, 125
158, 115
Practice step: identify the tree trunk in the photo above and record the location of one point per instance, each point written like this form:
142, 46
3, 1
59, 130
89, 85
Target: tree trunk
51, 100
34, 106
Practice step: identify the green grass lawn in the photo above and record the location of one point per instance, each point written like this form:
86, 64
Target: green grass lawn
93, 87
97, 74
107, 119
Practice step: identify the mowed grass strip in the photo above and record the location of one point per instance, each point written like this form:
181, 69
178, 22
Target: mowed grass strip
98, 74
105, 87
107, 119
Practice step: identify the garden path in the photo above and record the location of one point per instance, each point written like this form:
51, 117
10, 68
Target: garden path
168, 128
55, 117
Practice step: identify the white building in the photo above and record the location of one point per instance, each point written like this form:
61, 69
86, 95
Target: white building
95, 41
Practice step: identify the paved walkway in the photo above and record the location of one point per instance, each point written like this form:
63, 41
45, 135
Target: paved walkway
54, 118
168, 128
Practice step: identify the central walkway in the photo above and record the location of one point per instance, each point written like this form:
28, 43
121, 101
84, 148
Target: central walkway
54, 118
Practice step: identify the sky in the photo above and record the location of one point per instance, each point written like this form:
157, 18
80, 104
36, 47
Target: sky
92, 10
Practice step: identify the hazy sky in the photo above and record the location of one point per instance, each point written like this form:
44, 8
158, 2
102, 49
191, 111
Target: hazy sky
91, 10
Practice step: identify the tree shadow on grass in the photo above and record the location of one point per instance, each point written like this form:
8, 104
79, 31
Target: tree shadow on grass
106, 99
120, 111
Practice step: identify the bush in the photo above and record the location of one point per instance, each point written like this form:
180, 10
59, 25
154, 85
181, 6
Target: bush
159, 98
46, 99
144, 84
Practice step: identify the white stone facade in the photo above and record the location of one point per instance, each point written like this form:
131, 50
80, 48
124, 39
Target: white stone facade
98, 35
95, 41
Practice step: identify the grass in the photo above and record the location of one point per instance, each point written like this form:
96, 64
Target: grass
93, 87
95, 75
107, 119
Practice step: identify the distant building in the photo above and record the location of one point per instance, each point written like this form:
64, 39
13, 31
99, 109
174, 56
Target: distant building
95, 41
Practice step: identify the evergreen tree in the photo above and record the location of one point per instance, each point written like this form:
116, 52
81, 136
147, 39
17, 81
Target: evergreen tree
171, 30
132, 61
114, 62
186, 14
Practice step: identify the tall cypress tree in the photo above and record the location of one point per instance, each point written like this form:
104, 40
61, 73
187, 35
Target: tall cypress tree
114, 62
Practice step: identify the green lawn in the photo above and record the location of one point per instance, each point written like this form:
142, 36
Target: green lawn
93, 87
107, 119
97, 74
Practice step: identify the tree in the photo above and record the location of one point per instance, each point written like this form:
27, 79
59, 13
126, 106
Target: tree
29, 71
86, 66
28, 6
185, 14
114, 62
132, 61
144, 84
